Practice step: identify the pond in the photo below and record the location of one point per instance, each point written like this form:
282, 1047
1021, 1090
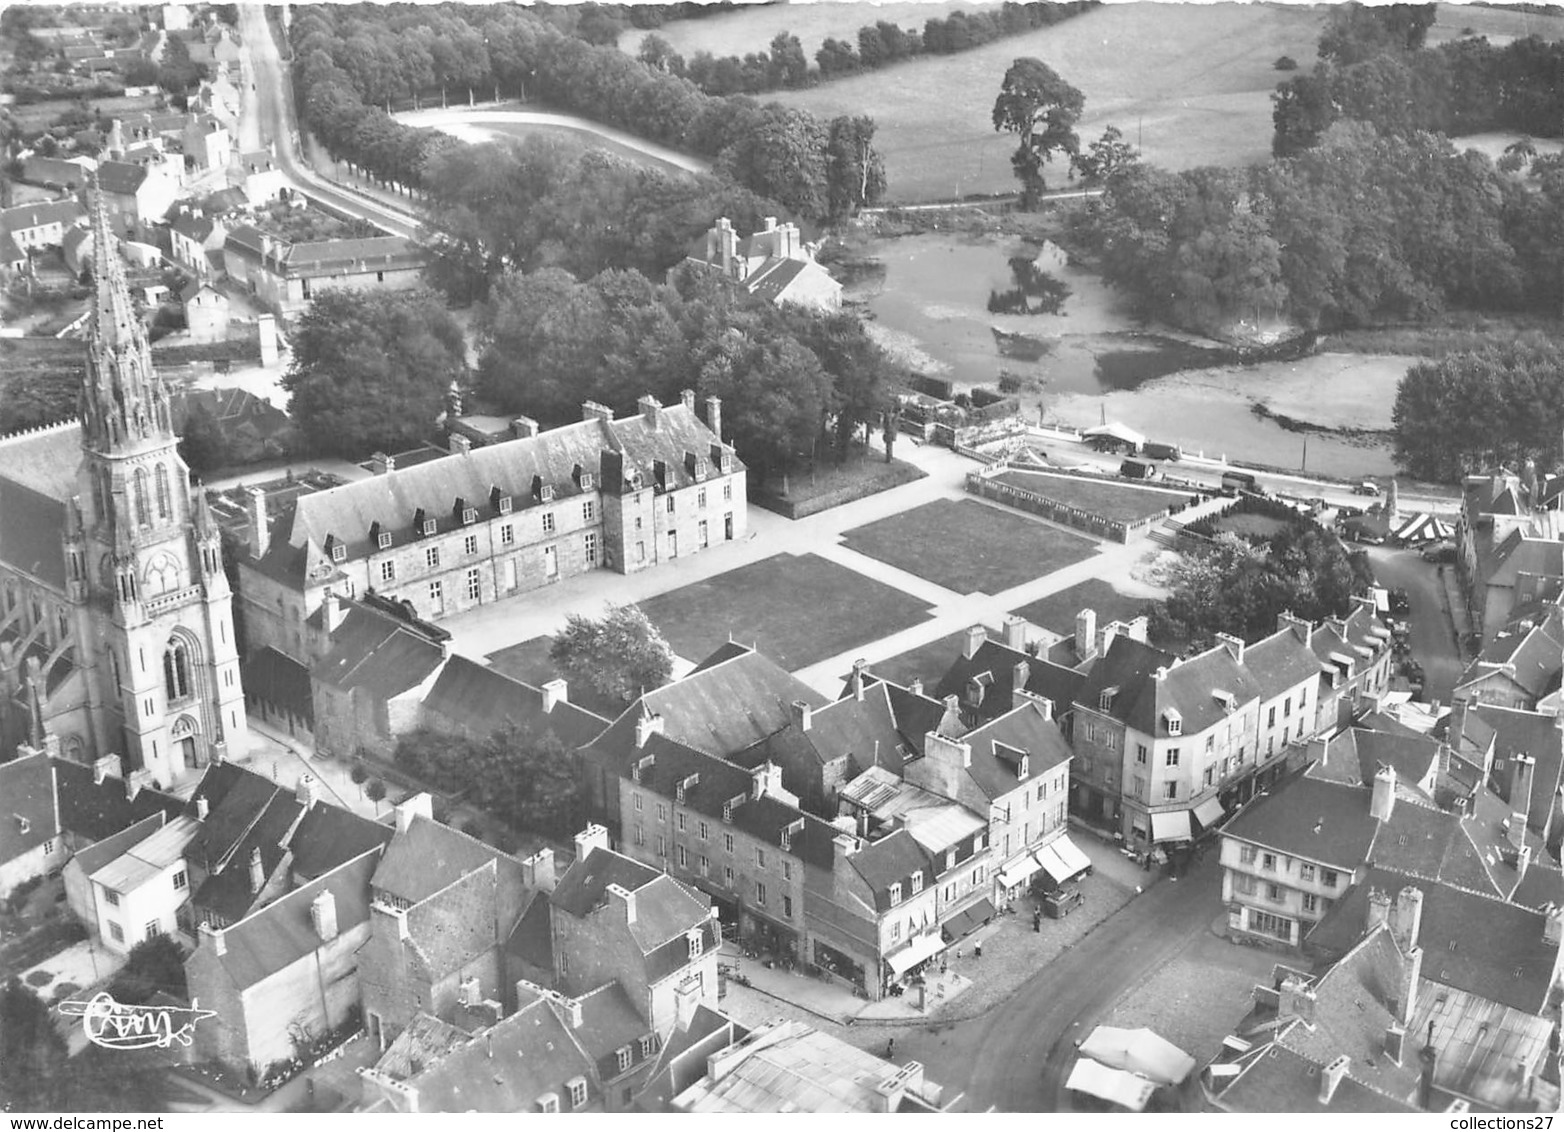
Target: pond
1094, 360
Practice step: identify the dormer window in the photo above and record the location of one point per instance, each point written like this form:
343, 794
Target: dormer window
430, 526
648, 1044
338, 552
1174, 721
917, 883
950, 858
504, 505
1105, 700
895, 893
546, 493
727, 812
383, 540
622, 1058
548, 1102
578, 1092
587, 481
469, 515
634, 480
1024, 768
697, 944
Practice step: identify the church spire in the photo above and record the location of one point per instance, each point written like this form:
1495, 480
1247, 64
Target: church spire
123, 401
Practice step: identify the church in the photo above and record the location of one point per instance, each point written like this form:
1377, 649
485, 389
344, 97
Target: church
116, 626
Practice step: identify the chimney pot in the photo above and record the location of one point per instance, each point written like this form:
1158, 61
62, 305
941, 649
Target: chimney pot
801, 713
625, 899
203, 808
859, 666
1330, 1077
592, 837
976, 635
1015, 633
323, 915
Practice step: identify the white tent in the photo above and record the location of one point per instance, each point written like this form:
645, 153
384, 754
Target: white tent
1116, 431
1423, 528
1113, 1085
1139, 1051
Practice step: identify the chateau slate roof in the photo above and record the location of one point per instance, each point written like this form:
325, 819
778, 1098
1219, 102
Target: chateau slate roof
1278, 1080
280, 934
9, 251
1311, 818
1542, 557
664, 909
1533, 654
228, 892
1023, 729
1356, 755
893, 859
96, 810
1279, 662
1526, 732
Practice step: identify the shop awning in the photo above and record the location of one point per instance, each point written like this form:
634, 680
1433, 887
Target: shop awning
924, 947
1113, 1085
1209, 812
1018, 871
1171, 825
968, 920
1140, 1051
1062, 861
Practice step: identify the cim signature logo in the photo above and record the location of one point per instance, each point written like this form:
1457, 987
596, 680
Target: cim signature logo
113, 1025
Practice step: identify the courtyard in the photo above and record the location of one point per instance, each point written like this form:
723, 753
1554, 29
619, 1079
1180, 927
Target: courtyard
796, 609
967, 546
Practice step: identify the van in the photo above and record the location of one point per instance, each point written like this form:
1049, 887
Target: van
1170, 452
1234, 482
1138, 470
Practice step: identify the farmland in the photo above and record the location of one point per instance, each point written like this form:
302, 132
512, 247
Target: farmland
1192, 82
740, 32
1498, 25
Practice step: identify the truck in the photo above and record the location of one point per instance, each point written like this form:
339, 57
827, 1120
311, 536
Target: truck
1235, 482
1133, 469
1154, 451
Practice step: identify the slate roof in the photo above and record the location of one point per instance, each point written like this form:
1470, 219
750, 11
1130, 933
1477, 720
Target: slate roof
1532, 653
262, 822
30, 535
9, 252
120, 177
372, 253
45, 460
100, 853
664, 909
481, 700
1310, 817
723, 709
26, 796
280, 934
537, 1052
378, 654
424, 1041
1023, 729
893, 859
54, 171
609, 1023
1478, 944
328, 836
1542, 557
1345, 636
1526, 732
1356, 755
193, 227
1055, 682
431, 856
23, 217
1278, 1080
145, 860
1542, 885
96, 810
1279, 662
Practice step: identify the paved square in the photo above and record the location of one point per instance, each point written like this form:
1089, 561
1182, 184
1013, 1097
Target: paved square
1057, 611
798, 610
967, 546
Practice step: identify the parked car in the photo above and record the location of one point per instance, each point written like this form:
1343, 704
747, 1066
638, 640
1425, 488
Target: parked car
1154, 451
1367, 487
1400, 603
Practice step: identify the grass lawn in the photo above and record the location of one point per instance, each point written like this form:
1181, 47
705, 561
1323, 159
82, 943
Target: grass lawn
927, 662
967, 546
1057, 611
529, 662
1257, 526
1190, 83
575, 141
797, 610
1115, 501
753, 28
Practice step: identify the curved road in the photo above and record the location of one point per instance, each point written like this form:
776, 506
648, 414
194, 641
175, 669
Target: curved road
1016, 1057
476, 124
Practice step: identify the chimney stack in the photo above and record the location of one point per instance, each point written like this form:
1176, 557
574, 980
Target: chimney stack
107, 767
1298, 1000
459, 443
801, 714
537, 871
260, 532
973, 641
257, 871
1234, 645
419, 805
686, 1000
687, 399
305, 792
332, 612
651, 410
915, 685
555, 692
1553, 925
624, 899
1407, 923
323, 915
1522, 770
645, 727
1015, 632
214, 937
858, 670
380, 464
1383, 802
592, 837
522, 428
1378, 908
714, 416
1429, 1059
1395, 1042
1085, 634
1330, 1077
135, 782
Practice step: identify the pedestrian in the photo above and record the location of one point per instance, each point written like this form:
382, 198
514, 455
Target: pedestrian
890, 1049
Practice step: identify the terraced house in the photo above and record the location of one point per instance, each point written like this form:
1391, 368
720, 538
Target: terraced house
490, 522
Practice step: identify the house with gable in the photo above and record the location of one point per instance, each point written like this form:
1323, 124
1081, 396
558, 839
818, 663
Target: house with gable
444, 909
1521, 665
773, 263
494, 521
1507, 549
135, 197
284, 974
195, 235
142, 892
987, 674
43, 224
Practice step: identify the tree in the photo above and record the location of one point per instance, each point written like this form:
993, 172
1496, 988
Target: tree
657, 53
371, 370
782, 156
855, 175
619, 656
1042, 109
32, 1054
1106, 156
203, 443
155, 965
376, 792
789, 64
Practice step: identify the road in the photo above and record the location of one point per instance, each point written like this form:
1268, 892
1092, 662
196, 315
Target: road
1432, 636
268, 117
1016, 1057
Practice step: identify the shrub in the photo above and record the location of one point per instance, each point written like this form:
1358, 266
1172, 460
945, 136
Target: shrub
376, 791
1285, 63
39, 978
358, 774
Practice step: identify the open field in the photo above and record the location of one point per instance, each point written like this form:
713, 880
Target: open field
1496, 25
1057, 612
1117, 501
739, 33
797, 610
1192, 82
967, 546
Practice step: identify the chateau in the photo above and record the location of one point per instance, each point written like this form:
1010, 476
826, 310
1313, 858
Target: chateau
116, 631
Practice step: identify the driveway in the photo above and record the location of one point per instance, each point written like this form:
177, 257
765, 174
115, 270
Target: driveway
1433, 635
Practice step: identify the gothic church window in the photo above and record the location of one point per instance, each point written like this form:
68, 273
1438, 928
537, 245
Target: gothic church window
143, 514
176, 671
165, 506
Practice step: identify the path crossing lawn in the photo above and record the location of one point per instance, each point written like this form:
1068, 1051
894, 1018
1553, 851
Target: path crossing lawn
1057, 611
967, 546
797, 609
